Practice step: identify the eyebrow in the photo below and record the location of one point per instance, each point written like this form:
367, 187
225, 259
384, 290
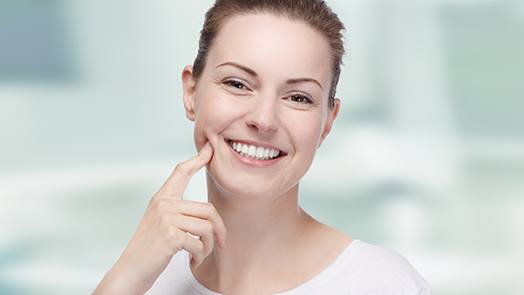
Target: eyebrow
254, 74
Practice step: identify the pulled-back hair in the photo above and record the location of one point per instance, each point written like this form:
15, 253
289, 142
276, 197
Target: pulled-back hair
315, 13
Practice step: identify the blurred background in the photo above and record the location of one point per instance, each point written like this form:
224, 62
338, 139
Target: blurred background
427, 156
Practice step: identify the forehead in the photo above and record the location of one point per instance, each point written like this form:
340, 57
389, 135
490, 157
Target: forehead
273, 46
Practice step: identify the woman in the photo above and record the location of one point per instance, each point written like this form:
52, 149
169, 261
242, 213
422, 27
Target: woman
261, 93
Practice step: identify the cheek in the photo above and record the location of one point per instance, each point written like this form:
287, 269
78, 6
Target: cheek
308, 144
215, 113
305, 130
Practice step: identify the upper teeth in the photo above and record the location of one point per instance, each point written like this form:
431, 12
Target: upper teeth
259, 153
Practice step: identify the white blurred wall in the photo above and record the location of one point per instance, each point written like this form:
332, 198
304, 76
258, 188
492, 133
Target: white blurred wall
427, 156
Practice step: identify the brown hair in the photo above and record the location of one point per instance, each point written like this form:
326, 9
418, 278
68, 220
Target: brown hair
316, 13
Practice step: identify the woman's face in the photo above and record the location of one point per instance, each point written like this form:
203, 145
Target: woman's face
266, 84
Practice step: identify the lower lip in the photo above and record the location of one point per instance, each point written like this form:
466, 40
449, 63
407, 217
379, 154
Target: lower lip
254, 162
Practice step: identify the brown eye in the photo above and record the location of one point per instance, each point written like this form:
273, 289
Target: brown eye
236, 84
301, 99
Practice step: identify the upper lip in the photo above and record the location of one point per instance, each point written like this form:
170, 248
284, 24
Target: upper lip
256, 143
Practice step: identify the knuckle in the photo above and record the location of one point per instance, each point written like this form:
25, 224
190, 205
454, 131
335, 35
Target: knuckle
211, 208
166, 220
160, 204
175, 239
180, 240
208, 226
170, 233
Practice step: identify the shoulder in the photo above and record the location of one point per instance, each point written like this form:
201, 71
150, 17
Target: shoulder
380, 270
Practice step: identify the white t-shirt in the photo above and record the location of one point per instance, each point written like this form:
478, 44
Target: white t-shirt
361, 268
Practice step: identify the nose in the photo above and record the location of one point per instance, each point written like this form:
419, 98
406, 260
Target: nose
262, 115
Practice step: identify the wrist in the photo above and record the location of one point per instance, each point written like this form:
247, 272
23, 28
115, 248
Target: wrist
120, 280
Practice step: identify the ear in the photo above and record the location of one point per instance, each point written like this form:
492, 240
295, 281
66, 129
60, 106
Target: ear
332, 115
189, 86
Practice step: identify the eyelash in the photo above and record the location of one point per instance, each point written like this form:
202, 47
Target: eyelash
305, 99
230, 82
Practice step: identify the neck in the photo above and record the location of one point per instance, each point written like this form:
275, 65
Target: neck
261, 231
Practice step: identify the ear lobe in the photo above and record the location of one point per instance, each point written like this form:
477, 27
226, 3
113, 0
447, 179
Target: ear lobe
189, 86
332, 115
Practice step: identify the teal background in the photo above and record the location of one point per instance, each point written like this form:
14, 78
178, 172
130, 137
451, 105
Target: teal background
427, 156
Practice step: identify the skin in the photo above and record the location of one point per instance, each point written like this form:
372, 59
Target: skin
267, 231
252, 237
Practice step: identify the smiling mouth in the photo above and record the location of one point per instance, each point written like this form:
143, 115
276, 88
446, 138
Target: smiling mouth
252, 151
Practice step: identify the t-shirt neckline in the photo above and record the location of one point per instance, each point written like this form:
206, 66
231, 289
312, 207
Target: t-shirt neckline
196, 285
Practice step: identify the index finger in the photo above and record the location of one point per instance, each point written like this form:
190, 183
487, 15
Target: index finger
177, 182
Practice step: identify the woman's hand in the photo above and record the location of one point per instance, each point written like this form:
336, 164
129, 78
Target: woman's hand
164, 230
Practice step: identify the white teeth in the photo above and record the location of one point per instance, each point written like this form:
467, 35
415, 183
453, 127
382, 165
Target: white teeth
238, 148
260, 152
251, 151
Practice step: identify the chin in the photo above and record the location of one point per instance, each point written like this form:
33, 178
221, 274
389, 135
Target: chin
241, 187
